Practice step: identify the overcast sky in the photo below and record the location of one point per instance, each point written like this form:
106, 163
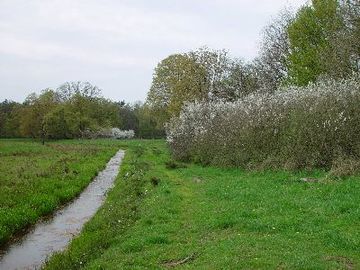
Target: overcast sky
115, 44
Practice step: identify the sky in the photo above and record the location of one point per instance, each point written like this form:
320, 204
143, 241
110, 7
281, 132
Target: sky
116, 44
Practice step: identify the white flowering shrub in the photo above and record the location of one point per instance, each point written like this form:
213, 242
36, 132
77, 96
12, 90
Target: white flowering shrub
114, 133
122, 134
294, 128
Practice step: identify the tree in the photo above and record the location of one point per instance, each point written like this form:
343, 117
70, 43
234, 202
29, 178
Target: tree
202, 74
310, 34
58, 123
9, 118
105, 112
177, 78
149, 125
241, 81
343, 57
128, 119
271, 64
75, 109
82, 101
84, 89
217, 67
33, 113
6, 108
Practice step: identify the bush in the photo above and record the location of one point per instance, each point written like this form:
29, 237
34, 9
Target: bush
294, 128
122, 134
343, 167
114, 133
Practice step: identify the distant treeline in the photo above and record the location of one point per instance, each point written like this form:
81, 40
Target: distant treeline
73, 110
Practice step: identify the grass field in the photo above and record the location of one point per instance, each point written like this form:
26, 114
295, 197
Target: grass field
165, 215
36, 179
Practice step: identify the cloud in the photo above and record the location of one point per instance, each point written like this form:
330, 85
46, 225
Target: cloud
117, 43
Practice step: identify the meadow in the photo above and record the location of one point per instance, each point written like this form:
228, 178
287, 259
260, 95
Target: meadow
36, 179
164, 214
260, 167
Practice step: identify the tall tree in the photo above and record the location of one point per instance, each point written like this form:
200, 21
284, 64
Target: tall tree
217, 67
82, 99
202, 74
177, 79
9, 118
34, 111
343, 57
310, 40
84, 89
271, 64
58, 123
241, 81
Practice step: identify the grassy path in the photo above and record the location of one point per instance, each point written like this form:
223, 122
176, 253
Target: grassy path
158, 217
36, 179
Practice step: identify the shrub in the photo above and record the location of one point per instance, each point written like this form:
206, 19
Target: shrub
294, 128
114, 133
343, 167
122, 134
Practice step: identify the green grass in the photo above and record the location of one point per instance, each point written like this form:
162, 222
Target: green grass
36, 179
161, 215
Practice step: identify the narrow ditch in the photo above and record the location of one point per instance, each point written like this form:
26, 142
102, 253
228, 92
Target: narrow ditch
54, 234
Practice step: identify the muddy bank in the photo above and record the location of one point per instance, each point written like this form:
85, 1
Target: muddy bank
55, 234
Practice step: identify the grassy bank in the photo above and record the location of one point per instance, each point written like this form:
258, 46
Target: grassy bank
36, 179
161, 215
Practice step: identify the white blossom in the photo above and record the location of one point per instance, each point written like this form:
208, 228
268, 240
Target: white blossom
290, 122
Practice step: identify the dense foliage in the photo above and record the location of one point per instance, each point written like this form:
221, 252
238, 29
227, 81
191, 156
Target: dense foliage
322, 41
302, 107
297, 127
74, 110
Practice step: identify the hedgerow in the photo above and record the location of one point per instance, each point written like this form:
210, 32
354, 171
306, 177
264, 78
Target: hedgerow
317, 126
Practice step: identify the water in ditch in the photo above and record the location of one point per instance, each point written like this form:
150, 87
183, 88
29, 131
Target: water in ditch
54, 234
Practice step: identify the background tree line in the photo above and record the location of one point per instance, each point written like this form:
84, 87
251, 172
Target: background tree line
73, 110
